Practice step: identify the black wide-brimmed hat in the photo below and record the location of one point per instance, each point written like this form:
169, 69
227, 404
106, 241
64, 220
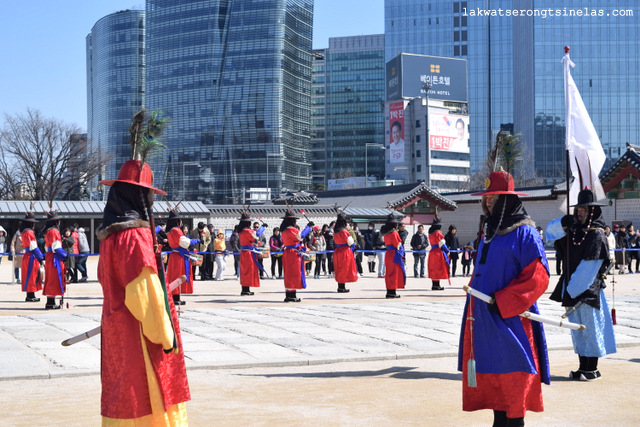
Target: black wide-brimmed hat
245, 216
174, 214
29, 217
289, 214
436, 221
52, 215
586, 198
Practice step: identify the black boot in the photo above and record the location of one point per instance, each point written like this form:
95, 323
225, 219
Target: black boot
435, 286
342, 289
31, 297
592, 372
246, 291
177, 300
291, 297
515, 422
499, 418
51, 304
584, 365
391, 293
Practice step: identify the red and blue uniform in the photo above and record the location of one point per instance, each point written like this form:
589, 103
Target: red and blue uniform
514, 270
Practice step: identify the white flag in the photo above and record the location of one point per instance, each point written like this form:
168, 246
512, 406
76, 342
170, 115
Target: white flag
586, 155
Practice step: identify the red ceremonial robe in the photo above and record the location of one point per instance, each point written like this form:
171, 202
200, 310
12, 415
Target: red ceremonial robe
513, 392
291, 261
28, 242
393, 278
134, 367
249, 271
53, 278
438, 268
344, 261
177, 265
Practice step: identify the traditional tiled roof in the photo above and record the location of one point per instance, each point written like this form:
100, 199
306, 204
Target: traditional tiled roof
299, 198
397, 196
628, 164
90, 209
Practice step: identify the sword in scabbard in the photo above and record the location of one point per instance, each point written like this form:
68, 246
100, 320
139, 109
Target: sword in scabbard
95, 331
527, 314
572, 309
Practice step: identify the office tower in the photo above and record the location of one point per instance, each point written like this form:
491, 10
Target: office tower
349, 111
515, 70
115, 84
235, 78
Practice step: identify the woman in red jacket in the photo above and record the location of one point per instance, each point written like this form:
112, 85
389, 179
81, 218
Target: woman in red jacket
395, 276
292, 258
344, 261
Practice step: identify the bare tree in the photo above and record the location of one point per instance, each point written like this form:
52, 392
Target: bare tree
45, 157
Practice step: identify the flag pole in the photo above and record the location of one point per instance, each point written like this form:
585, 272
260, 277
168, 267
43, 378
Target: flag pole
567, 120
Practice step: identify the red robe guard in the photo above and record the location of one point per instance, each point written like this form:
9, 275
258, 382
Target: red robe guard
30, 262
249, 268
179, 263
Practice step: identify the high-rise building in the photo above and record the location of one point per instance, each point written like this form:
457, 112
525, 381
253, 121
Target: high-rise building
348, 109
115, 83
515, 70
427, 122
318, 128
235, 78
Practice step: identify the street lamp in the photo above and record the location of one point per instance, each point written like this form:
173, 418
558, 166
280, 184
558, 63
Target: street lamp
366, 160
184, 193
268, 189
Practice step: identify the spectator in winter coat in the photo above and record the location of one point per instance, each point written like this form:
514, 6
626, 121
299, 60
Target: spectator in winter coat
83, 248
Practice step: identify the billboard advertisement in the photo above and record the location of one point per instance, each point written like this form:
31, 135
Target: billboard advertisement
445, 78
448, 132
394, 79
396, 132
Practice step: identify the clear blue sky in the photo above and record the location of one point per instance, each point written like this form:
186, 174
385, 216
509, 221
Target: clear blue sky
43, 48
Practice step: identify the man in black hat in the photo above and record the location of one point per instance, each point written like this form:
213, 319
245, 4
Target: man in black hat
54, 282
31, 280
581, 287
344, 257
293, 255
179, 261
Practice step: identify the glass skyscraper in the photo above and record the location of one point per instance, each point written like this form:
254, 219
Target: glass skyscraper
348, 109
115, 83
515, 70
235, 78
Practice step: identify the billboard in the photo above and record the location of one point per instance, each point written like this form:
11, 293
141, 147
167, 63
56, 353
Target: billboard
393, 79
448, 132
396, 132
408, 76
